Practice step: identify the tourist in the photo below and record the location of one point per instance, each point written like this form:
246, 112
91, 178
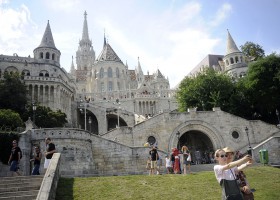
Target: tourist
168, 165
154, 156
225, 173
176, 168
37, 155
241, 177
14, 159
186, 159
50, 150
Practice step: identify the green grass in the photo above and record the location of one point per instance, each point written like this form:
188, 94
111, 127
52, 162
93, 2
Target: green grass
202, 185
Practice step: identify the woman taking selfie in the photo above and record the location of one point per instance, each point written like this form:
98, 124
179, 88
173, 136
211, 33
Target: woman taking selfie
225, 174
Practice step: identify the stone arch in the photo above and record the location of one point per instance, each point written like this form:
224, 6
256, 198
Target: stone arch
199, 127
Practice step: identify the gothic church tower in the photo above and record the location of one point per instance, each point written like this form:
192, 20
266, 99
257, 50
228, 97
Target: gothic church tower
85, 57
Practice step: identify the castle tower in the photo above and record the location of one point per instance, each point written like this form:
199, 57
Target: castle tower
85, 57
234, 60
47, 50
73, 70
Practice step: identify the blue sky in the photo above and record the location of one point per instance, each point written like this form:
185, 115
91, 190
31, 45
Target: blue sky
170, 35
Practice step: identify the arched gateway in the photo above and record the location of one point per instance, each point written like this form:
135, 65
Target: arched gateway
196, 135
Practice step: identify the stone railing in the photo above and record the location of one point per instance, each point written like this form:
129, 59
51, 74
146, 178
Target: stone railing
49, 184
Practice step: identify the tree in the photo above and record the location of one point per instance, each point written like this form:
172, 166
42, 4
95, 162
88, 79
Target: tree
10, 119
45, 117
207, 90
251, 49
263, 87
12, 93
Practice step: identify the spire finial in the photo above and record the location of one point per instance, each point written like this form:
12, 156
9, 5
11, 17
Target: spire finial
85, 14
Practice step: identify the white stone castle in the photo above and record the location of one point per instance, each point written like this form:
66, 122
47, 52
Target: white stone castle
112, 111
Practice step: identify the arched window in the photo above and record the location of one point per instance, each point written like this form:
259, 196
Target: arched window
101, 74
241, 59
236, 59
41, 55
117, 73
102, 88
47, 55
110, 86
95, 74
41, 74
110, 73
53, 56
231, 61
46, 75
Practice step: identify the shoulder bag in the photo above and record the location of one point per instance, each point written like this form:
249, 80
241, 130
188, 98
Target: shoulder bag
231, 189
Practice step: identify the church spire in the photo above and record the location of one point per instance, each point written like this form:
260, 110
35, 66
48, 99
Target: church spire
139, 69
47, 40
85, 28
72, 71
231, 46
104, 44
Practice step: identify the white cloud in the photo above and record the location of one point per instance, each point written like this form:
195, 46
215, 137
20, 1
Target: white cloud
63, 5
222, 13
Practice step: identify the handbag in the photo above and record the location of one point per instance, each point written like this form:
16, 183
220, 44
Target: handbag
249, 196
231, 189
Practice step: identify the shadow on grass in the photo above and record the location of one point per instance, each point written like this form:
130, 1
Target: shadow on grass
64, 189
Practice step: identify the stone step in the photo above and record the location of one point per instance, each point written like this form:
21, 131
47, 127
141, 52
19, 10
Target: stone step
22, 188
19, 193
20, 184
20, 181
23, 197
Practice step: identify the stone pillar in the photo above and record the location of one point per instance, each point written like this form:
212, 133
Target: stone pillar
25, 145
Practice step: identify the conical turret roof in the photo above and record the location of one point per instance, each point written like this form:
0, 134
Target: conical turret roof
47, 40
231, 46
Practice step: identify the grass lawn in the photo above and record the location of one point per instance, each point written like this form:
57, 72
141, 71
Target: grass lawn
202, 185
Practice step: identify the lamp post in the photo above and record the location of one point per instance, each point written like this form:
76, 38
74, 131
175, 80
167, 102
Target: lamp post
89, 121
249, 151
277, 113
34, 107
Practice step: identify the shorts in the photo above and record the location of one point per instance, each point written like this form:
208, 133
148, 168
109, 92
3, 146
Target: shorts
47, 163
153, 164
14, 166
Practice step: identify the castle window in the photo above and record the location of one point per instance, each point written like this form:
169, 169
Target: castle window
41, 74
227, 62
241, 59
236, 59
151, 140
102, 88
101, 74
117, 73
47, 75
95, 74
231, 61
53, 56
41, 55
47, 55
110, 86
110, 73
119, 86
235, 134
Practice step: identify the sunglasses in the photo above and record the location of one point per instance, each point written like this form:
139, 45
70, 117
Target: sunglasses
223, 156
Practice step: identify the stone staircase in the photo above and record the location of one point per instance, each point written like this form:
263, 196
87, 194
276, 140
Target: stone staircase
20, 187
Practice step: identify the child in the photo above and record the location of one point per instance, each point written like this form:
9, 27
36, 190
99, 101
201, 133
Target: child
168, 164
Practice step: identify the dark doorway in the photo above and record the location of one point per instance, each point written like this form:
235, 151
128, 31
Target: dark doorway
197, 141
113, 121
